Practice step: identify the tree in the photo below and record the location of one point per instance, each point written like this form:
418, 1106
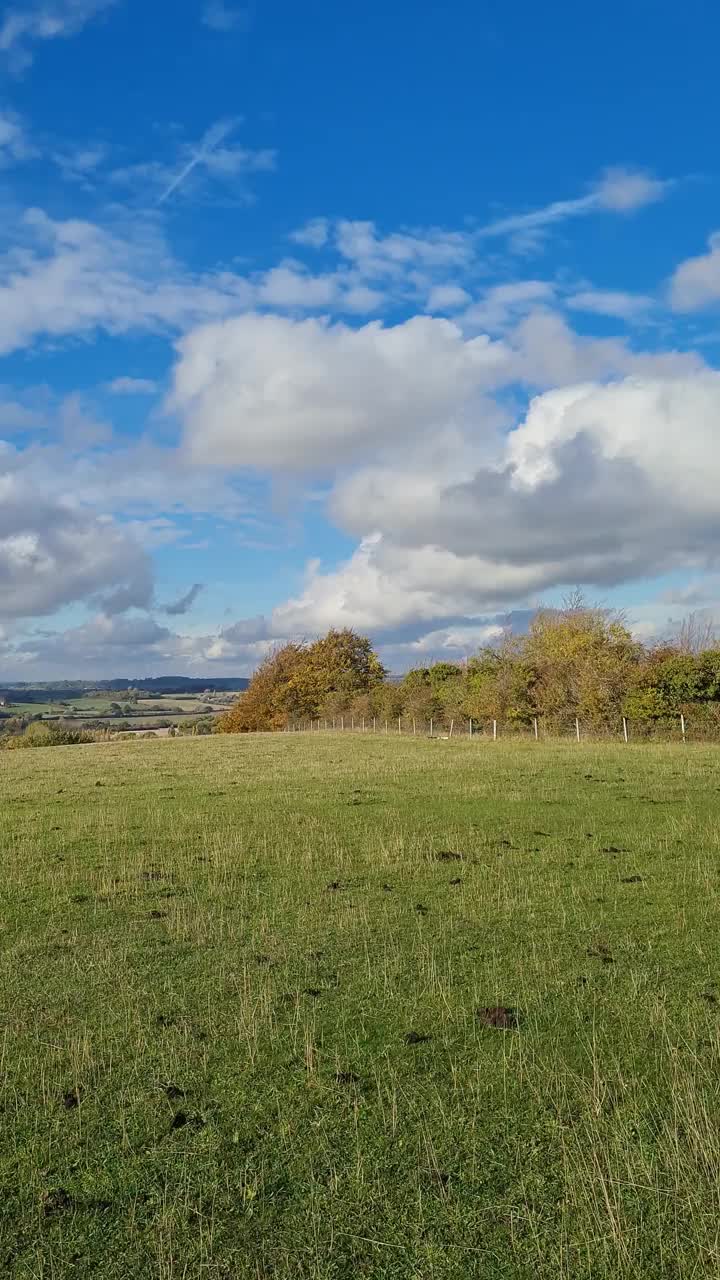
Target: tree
302, 682
419, 698
338, 666
270, 699
499, 683
582, 658
695, 634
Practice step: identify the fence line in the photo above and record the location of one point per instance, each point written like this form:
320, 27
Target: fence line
474, 729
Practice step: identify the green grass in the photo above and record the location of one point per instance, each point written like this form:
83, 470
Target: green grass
168, 929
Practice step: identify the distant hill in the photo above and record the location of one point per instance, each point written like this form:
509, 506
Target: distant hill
47, 691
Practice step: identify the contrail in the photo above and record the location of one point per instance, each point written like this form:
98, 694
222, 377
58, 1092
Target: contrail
208, 143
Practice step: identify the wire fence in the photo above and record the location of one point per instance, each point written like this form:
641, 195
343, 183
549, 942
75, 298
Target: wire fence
680, 728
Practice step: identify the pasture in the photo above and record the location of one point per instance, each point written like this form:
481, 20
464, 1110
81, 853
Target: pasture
316, 1007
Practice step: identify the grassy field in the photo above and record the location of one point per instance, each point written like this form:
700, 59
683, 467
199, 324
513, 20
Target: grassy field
242, 984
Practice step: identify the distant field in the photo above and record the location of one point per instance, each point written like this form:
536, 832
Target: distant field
146, 710
242, 983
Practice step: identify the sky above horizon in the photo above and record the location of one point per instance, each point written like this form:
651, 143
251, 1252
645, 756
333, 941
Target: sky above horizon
399, 317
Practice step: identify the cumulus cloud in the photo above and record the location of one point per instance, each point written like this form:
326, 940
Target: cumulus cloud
696, 282
268, 391
132, 645
384, 586
543, 351
599, 484
53, 552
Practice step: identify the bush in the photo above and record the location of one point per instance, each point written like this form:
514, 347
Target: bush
39, 734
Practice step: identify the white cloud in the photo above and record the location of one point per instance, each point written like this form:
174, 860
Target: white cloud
446, 297
502, 304
16, 417
360, 299
544, 352
609, 302
78, 426
384, 586
15, 146
378, 256
39, 20
414, 265
132, 386
79, 163
625, 190
666, 427
696, 282
210, 155
222, 17
74, 277
618, 191
53, 552
268, 391
196, 165
288, 285
599, 484
133, 481
314, 234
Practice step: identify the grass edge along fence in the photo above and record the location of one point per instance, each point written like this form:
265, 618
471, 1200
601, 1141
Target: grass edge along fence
679, 728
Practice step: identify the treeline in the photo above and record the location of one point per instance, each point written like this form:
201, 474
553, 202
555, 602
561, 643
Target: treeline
577, 661
72, 690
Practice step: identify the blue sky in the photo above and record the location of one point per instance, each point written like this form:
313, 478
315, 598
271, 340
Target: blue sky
402, 317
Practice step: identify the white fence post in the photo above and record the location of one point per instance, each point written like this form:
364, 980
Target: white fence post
452, 725
577, 728
374, 724
682, 726
386, 726
471, 728
625, 732
399, 724
414, 729
535, 724
494, 730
